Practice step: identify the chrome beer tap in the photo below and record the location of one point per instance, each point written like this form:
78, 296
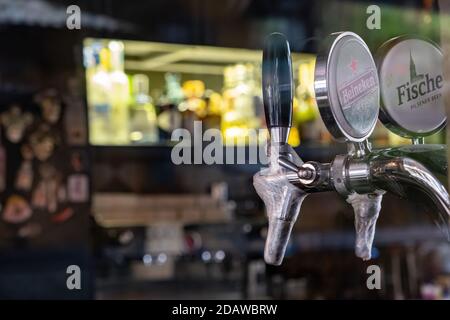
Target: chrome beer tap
282, 199
348, 96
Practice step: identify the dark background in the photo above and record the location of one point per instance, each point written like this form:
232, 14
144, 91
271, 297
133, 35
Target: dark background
36, 54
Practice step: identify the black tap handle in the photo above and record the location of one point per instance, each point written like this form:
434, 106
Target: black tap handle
278, 86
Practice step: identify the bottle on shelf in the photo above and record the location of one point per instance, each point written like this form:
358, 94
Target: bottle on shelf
169, 118
213, 115
241, 102
120, 95
143, 120
98, 84
193, 108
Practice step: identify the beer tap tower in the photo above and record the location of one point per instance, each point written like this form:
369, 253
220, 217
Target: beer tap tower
347, 90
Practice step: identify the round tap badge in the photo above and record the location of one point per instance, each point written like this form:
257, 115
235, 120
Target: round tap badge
347, 88
411, 81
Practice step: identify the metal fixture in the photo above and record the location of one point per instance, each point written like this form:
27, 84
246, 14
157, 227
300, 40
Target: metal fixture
347, 90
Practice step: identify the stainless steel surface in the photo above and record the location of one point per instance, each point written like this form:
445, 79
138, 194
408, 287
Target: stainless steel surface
419, 140
358, 176
279, 134
287, 164
359, 149
304, 174
385, 173
307, 174
349, 175
338, 175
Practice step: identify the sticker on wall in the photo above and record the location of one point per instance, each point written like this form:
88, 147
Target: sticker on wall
51, 178
24, 179
62, 193
39, 197
17, 210
43, 142
77, 162
16, 122
50, 104
45, 196
63, 215
78, 188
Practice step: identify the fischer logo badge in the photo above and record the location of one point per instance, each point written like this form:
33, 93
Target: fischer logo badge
411, 85
419, 86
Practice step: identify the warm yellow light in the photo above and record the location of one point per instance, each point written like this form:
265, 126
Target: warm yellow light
115, 45
294, 137
136, 136
234, 132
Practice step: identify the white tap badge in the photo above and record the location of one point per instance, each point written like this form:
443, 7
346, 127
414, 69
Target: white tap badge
411, 84
347, 87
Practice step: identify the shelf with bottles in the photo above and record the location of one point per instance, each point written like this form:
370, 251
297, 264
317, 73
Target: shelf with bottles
138, 93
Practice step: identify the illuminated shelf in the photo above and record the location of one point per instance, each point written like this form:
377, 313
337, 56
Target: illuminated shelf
185, 82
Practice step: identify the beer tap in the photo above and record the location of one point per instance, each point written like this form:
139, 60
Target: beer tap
282, 199
347, 93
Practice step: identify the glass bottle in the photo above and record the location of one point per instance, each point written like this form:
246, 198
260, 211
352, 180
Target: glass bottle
98, 85
143, 121
120, 95
213, 115
193, 107
169, 118
241, 101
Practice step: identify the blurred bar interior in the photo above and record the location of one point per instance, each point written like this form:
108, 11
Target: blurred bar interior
87, 179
